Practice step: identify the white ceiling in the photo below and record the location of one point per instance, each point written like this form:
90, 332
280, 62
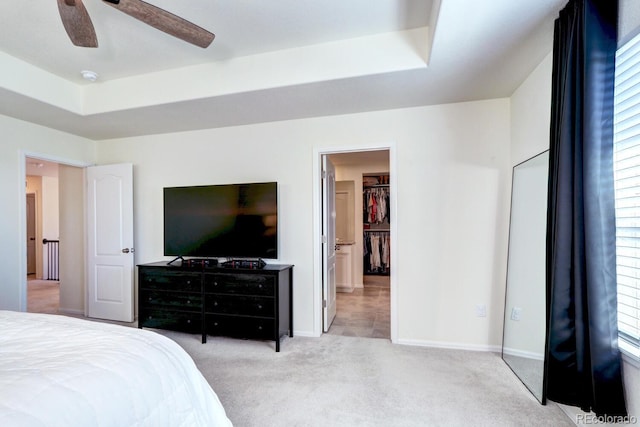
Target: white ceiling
38, 167
270, 61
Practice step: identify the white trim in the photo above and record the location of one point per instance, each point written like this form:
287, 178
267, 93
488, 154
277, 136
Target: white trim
71, 311
22, 214
630, 354
451, 345
318, 152
524, 354
306, 334
22, 231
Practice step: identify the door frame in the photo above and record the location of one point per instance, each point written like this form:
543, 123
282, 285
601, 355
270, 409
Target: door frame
35, 232
318, 152
22, 212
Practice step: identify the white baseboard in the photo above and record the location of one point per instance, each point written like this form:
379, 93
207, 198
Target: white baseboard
305, 334
71, 311
421, 343
525, 354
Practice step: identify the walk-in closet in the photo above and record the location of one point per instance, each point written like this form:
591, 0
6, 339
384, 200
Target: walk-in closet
375, 221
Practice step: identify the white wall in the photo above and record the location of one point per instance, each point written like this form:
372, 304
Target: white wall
34, 186
452, 171
50, 220
72, 241
531, 113
18, 138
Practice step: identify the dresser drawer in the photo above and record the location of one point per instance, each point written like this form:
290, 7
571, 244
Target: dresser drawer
241, 284
239, 326
171, 300
169, 281
240, 304
172, 320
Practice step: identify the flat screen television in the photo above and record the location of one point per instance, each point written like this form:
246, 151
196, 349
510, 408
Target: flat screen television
231, 221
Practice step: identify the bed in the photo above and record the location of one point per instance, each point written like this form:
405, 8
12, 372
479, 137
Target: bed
62, 371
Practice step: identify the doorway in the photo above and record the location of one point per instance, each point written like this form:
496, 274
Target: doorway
42, 230
31, 234
365, 304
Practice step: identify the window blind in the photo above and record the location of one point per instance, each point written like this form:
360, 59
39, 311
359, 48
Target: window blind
627, 189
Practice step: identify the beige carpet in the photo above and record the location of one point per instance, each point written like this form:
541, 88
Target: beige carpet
352, 381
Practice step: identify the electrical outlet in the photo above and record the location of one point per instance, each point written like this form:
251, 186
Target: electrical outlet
481, 310
516, 313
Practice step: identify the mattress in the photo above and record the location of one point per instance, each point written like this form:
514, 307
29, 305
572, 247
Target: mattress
62, 371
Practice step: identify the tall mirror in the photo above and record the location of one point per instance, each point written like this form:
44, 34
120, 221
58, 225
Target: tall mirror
523, 341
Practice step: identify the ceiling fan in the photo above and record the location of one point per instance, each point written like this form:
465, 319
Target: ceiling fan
79, 27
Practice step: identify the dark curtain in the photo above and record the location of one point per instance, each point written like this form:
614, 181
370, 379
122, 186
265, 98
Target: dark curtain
583, 364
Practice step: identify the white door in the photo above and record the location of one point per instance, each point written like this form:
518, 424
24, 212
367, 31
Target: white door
31, 233
328, 242
110, 242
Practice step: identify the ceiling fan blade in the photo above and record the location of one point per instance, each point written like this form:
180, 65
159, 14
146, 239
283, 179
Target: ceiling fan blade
164, 21
77, 23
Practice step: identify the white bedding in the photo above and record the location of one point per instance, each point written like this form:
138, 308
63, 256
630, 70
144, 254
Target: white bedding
61, 371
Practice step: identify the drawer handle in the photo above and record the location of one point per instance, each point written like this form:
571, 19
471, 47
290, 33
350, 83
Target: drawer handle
189, 321
259, 306
188, 282
260, 286
215, 283
259, 328
188, 302
215, 303
150, 299
215, 323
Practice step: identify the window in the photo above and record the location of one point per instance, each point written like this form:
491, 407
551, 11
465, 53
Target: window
626, 160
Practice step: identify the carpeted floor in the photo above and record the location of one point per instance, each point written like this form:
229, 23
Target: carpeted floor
351, 381
339, 380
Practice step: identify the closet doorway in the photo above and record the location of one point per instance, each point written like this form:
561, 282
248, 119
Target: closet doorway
364, 264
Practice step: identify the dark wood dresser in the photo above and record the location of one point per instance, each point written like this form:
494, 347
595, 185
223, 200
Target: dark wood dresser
236, 302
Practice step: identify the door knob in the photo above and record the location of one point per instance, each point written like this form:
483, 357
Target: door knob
126, 251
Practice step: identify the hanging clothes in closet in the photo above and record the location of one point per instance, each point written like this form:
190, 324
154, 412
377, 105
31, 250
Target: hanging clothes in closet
376, 252
376, 205
376, 220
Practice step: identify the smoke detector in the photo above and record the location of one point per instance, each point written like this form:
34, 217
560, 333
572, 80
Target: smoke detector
88, 75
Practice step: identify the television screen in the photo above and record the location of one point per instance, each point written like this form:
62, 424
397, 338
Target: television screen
235, 220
